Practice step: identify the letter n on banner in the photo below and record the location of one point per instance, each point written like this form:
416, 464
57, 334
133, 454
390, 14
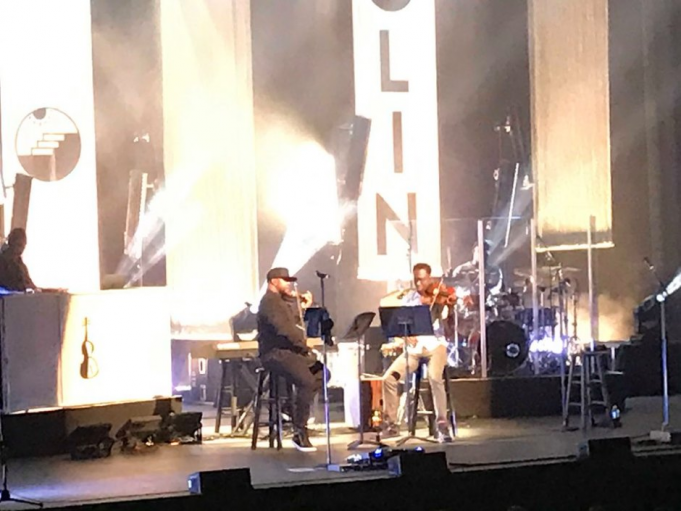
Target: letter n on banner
48, 131
398, 214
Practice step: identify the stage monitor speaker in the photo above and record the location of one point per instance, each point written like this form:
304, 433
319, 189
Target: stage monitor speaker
608, 450
235, 481
356, 159
419, 465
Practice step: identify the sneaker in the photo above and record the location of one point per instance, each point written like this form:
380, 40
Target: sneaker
443, 435
389, 431
302, 442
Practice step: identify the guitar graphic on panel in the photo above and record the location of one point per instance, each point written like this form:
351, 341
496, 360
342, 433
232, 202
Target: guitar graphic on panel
88, 367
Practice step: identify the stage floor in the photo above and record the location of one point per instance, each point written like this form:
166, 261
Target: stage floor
163, 470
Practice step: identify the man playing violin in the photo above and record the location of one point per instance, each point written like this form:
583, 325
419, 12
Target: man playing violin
283, 348
432, 348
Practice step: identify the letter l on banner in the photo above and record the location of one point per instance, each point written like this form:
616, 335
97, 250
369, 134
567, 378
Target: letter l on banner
398, 214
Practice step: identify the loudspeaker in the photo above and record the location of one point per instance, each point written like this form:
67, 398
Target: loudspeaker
235, 481
419, 465
607, 449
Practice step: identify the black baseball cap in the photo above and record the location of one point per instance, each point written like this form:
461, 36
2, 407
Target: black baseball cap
280, 273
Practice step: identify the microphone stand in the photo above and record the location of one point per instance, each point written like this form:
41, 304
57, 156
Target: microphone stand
661, 297
326, 340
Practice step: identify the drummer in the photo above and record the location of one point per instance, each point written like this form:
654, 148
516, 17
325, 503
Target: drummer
468, 271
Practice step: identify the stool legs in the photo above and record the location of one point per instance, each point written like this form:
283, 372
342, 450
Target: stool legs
257, 408
415, 400
268, 383
221, 392
450, 402
591, 380
275, 419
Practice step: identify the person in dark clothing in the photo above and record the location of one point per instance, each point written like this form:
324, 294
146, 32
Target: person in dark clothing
14, 274
283, 349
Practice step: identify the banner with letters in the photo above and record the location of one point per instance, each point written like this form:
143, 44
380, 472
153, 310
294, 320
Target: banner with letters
395, 67
48, 138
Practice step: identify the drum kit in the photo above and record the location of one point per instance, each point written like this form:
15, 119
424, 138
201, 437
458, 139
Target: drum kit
513, 340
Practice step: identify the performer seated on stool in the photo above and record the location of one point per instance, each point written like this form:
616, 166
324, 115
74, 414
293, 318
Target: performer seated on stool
14, 274
282, 346
432, 348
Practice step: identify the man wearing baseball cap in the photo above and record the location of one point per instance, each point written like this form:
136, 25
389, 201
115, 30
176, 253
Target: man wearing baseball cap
283, 349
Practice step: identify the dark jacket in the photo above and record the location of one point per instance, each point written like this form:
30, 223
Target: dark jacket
278, 325
13, 272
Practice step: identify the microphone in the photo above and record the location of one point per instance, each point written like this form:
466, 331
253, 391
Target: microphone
650, 265
322, 275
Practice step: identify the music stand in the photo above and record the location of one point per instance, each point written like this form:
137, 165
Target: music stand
407, 322
359, 326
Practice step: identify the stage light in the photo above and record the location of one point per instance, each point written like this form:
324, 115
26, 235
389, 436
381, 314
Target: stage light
138, 430
316, 221
90, 442
671, 288
185, 427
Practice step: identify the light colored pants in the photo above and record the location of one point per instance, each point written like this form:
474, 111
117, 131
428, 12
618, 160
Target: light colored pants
437, 359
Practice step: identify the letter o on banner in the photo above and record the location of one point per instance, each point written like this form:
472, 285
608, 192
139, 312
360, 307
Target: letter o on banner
392, 5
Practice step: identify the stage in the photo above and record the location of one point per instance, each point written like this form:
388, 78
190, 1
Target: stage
162, 471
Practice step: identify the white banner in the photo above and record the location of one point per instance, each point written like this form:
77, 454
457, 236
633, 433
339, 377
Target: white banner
396, 87
46, 96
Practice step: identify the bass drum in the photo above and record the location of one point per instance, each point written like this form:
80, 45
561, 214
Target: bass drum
507, 348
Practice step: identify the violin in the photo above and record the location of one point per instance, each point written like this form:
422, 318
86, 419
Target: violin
305, 297
438, 294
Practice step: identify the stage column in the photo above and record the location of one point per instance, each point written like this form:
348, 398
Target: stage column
209, 162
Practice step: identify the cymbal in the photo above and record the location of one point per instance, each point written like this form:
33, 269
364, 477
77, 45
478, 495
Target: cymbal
545, 271
541, 285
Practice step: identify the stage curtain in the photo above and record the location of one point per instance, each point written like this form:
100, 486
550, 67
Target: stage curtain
570, 121
211, 230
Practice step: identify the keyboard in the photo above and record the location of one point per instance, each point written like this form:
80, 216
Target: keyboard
249, 349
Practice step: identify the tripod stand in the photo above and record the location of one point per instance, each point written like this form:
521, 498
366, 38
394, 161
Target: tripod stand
407, 322
359, 327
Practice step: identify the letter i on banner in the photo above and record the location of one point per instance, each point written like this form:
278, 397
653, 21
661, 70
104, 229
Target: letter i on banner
48, 144
398, 214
